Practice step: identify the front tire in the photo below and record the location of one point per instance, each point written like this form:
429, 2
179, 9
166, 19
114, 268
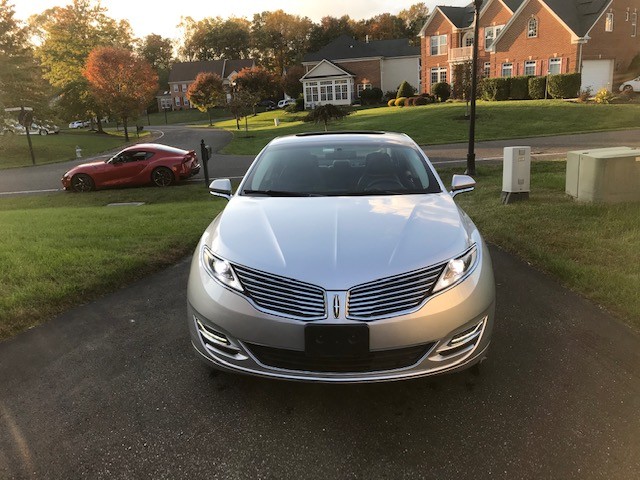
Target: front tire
81, 182
43, 132
162, 177
627, 89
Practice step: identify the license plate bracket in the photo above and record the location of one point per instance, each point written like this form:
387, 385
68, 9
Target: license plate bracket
336, 340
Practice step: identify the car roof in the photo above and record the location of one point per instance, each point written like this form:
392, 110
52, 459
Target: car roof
158, 147
315, 138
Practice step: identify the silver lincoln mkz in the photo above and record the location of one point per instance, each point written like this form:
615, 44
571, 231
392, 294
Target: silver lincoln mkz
341, 258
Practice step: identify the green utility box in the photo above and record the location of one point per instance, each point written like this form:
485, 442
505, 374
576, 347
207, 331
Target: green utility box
607, 175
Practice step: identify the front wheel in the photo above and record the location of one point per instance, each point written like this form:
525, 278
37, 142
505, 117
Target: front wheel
81, 182
43, 132
162, 177
627, 88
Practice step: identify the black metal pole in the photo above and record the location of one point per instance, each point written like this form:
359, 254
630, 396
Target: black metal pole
205, 160
471, 156
165, 115
33, 157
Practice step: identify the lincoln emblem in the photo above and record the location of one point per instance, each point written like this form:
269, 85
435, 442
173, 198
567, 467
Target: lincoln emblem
336, 306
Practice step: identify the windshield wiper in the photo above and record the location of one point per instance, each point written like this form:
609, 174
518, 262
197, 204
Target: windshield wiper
277, 193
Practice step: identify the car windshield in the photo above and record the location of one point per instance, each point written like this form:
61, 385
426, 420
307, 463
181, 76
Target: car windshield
340, 169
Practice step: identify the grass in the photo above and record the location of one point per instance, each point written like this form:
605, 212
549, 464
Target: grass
83, 249
74, 248
590, 248
14, 149
445, 123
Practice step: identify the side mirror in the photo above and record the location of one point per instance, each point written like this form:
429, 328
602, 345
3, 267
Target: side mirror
221, 187
461, 184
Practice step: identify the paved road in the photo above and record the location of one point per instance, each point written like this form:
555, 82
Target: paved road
112, 390
47, 177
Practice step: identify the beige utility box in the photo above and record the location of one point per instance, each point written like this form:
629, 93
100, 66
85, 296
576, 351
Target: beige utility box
607, 175
516, 174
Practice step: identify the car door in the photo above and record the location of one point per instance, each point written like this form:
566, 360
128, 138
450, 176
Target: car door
129, 169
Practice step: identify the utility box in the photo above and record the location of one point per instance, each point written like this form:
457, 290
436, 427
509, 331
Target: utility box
607, 175
516, 174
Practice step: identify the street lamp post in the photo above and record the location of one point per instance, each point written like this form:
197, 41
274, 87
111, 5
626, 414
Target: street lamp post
471, 155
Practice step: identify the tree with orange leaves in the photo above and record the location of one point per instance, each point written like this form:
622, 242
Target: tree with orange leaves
121, 82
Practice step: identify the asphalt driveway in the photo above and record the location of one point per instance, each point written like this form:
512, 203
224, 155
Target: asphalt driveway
112, 390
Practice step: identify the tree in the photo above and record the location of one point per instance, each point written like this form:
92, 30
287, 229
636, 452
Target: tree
381, 27
414, 18
158, 51
215, 38
66, 36
241, 105
325, 113
291, 81
328, 30
280, 39
206, 92
258, 81
120, 82
405, 90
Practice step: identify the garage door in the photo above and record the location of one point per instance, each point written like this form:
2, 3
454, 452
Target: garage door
597, 74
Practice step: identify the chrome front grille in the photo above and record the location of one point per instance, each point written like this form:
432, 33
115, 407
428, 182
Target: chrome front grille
280, 295
392, 295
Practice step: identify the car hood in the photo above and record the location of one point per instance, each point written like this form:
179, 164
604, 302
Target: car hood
339, 242
84, 167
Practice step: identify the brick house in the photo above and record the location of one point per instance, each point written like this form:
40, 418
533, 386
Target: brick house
183, 74
341, 70
598, 38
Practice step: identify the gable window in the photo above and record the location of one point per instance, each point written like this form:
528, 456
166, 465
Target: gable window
439, 45
507, 69
530, 67
555, 66
608, 23
486, 72
490, 34
438, 74
532, 28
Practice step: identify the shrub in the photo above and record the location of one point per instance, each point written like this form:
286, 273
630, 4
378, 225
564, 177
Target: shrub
537, 86
410, 102
495, 89
584, 95
442, 90
391, 103
389, 95
422, 100
604, 96
519, 88
371, 96
405, 90
400, 101
565, 85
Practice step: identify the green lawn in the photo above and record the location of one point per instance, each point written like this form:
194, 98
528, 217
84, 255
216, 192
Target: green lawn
74, 248
83, 248
14, 149
445, 123
590, 248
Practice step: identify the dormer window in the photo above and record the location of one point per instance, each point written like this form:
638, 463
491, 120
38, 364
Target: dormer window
608, 24
532, 28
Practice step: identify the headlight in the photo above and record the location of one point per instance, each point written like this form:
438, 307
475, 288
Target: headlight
220, 269
457, 269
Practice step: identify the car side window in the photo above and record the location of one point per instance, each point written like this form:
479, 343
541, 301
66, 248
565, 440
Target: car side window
140, 156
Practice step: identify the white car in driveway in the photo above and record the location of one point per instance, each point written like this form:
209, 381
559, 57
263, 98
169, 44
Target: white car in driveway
79, 124
631, 85
286, 102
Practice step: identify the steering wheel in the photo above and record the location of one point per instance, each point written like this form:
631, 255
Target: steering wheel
384, 184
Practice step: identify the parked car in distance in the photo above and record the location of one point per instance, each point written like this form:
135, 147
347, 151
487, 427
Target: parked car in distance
631, 85
10, 127
267, 104
79, 124
341, 257
39, 129
286, 102
141, 164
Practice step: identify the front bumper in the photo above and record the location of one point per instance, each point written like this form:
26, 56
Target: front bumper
450, 332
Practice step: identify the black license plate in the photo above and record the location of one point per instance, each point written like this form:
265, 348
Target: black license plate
336, 340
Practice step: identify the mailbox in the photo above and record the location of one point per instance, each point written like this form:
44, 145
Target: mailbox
516, 174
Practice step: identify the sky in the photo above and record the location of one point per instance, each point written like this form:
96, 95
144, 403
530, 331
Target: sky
162, 17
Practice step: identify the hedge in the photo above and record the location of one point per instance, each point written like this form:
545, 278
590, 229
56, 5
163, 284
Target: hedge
537, 87
496, 89
405, 90
400, 101
565, 85
519, 88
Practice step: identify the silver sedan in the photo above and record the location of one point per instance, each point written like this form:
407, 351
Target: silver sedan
341, 257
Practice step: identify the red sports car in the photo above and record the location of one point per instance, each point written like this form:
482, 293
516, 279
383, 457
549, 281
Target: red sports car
142, 164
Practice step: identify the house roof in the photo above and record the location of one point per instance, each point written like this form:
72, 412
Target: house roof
339, 71
578, 15
187, 71
345, 47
